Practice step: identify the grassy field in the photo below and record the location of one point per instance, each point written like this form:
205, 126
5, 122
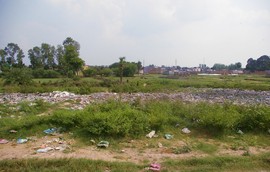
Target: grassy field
145, 83
214, 126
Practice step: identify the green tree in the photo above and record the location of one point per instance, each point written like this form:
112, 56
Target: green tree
127, 69
71, 60
105, 72
59, 53
48, 54
218, 66
121, 68
3, 65
90, 72
261, 64
139, 66
35, 56
20, 57
13, 55
235, 66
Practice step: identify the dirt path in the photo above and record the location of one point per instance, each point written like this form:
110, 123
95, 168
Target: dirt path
135, 153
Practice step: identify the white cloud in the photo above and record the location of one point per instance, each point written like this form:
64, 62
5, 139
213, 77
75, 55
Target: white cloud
224, 31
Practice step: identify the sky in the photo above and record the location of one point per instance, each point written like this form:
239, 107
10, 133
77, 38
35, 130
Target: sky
160, 32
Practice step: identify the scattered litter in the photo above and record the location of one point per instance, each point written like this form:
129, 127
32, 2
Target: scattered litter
61, 148
240, 132
20, 141
168, 136
93, 141
160, 145
12, 131
151, 134
50, 131
3, 141
186, 130
103, 144
44, 150
154, 167
177, 125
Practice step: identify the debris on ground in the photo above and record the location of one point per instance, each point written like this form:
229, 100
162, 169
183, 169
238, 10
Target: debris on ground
240, 132
20, 141
186, 130
212, 95
160, 145
50, 130
12, 131
155, 167
103, 144
44, 150
3, 141
168, 136
151, 134
93, 141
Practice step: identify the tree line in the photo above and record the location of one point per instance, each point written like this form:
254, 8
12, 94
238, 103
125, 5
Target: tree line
48, 61
63, 59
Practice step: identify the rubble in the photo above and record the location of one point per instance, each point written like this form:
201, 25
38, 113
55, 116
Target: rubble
20, 141
155, 167
3, 141
103, 144
151, 134
168, 136
44, 150
186, 130
235, 96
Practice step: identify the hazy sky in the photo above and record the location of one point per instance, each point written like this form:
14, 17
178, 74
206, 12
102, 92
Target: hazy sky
158, 32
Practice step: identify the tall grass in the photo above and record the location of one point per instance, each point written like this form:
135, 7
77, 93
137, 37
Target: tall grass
118, 119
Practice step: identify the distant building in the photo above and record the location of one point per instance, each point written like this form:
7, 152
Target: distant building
152, 70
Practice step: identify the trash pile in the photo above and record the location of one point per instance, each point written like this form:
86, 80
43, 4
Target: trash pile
58, 144
235, 96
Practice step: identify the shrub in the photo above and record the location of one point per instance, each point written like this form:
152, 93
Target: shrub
18, 76
255, 118
42, 73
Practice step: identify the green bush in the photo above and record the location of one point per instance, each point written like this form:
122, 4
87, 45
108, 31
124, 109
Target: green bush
255, 118
18, 76
42, 73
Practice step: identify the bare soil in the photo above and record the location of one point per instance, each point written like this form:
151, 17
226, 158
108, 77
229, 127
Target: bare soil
135, 151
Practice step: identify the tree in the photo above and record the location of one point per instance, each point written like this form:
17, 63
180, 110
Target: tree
238, 65
235, 66
48, 53
20, 57
124, 68
218, 66
71, 60
59, 53
139, 66
3, 64
13, 55
69, 41
35, 56
121, 67
261, 64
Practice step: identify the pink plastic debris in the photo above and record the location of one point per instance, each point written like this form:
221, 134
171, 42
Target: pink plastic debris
3, 141
155, 167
